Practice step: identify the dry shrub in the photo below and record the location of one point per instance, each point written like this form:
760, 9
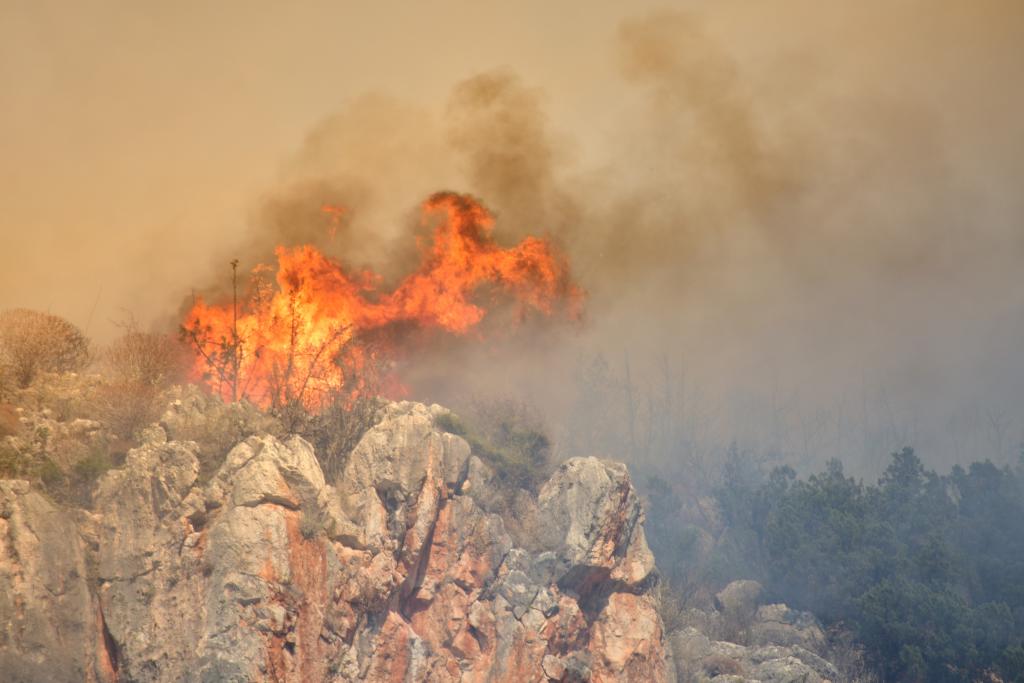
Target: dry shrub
509, 436
8, 386
145, 358
13, 465
671, 608
348, 412
336, 430
735, 626
849, 657
83, 462
39, 467
125, 408
62, 397
32, 342
720, 665
138, 367
10, 422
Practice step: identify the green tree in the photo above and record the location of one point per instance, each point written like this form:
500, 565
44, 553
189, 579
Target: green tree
927, 570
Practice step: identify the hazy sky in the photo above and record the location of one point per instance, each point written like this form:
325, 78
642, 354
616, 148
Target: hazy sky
809, 199
137, 135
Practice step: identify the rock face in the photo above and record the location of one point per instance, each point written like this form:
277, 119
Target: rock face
50, 624
401, 570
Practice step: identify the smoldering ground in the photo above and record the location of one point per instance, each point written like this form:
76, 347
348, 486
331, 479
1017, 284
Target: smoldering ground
798, 226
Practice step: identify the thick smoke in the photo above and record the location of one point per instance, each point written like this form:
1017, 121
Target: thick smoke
798, 225
815, 265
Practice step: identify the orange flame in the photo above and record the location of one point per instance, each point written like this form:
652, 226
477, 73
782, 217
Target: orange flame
335, 214
302, 341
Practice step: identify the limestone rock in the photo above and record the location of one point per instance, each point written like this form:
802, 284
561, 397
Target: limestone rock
780, 645
780, 625
594, 520
400, 570
700, 660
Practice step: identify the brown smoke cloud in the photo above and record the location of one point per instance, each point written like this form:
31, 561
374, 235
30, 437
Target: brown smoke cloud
810, 210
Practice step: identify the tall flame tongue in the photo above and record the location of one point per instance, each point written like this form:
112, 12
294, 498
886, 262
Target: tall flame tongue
302, 341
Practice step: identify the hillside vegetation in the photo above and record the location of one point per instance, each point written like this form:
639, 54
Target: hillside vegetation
925, 570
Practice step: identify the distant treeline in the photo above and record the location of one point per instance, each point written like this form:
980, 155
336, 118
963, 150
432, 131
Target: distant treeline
926, 570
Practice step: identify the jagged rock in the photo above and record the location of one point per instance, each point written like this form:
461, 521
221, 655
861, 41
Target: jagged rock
481, 486
699, 659
50, 626
403, 450
775, 664
780, 645
780, 625
594, 519
401, 465
399, 571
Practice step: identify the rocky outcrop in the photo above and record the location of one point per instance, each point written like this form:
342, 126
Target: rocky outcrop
400, 570
779, 644
702, 660
779, 625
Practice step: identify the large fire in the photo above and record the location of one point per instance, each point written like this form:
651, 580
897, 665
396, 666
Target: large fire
305, 340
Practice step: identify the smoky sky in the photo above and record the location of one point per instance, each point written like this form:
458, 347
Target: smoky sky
811, 212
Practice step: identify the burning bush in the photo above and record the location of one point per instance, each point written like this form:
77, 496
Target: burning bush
292, 340
32, 342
